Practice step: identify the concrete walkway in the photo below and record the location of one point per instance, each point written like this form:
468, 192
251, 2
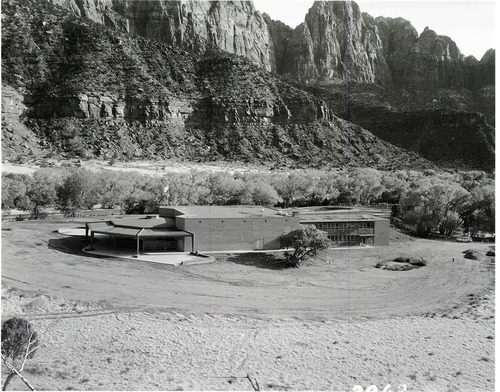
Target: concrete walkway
104, 248
170, 258
281, 250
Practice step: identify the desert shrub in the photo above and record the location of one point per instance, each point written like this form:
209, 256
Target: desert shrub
19, 339
19, 343
305, 242
411, 260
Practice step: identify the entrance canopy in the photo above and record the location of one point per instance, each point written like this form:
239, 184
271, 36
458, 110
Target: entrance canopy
117, 229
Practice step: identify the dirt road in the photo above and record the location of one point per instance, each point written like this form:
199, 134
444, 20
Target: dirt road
337, 322
348, 287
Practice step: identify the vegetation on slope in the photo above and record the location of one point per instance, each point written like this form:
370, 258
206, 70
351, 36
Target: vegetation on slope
91, 91
427, 200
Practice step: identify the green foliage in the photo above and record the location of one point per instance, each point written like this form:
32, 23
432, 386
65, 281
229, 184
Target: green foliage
306, 242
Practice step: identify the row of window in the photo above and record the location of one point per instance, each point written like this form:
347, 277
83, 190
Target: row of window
344, 225
343, 238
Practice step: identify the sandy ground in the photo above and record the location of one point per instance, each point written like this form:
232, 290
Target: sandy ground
334, 323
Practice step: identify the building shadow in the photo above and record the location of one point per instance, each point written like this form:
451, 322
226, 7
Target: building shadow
71, 245
260, 260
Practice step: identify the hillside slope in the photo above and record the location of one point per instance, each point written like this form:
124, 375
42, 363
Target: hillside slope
382, 50
87, 90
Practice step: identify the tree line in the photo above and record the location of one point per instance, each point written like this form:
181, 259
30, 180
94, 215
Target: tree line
423, 201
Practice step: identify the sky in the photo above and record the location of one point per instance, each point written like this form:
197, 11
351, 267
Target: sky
471, 24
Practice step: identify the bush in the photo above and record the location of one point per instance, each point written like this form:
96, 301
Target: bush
19, 343
17, 335
410, 260
306, 242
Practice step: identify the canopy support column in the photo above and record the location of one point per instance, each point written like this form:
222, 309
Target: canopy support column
138, 243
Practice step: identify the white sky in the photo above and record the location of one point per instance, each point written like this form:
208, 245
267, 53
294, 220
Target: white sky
469, 23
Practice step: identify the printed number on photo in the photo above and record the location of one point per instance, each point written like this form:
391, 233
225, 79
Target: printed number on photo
374, 388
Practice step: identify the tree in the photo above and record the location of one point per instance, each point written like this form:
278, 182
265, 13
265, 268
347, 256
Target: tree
394, 185
292, 188
140, 202
429, 201
306, 242
187, 189
43, 191
479, 213
365, 184
325, 189
224, 189
15, 190
78, 190
19, 343
115, 188
13, 193
450, 223
261, 193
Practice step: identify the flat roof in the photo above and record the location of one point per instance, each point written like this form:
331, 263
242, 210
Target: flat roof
226, 212
145, 222
108, 228
164, 233
337, 214
340, 217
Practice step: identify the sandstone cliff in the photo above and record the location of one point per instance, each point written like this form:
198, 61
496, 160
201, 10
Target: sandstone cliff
195, 26
334, 37
385, 51
86, 90
175, 71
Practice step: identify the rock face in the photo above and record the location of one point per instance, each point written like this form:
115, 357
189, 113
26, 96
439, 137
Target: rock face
334, 36
186, 71
232, 26
388, 51
431, 62
115, 95
454, 139
195, 26
106, 12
